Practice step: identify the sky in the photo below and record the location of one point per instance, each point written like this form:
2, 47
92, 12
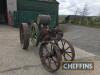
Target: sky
69, 7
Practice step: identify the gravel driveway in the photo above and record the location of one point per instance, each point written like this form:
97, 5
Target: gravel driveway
84, 37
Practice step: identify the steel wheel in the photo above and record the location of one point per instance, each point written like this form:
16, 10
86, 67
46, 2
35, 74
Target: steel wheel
34, 34
67, 50
50, 57
24, 36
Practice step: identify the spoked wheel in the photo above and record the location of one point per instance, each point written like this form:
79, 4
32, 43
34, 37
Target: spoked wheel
50, 57
34, 34
67, 50
24, 36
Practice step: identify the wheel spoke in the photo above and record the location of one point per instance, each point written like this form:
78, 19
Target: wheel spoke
63, 43
67, 48
64, 57
55, 62
68, 54
47, 50
45, 56
51, 48
49, 60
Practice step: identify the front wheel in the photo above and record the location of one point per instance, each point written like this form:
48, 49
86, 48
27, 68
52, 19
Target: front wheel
50, 56
67, 50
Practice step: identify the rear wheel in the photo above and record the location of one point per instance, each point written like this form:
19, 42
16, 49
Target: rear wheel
50, 57
24, 36
34, 33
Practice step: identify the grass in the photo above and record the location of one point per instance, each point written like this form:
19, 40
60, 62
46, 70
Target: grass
91, 24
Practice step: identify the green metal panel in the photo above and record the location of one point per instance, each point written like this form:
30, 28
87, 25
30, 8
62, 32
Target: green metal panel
27, 16
29, 5
24, 16
28, 10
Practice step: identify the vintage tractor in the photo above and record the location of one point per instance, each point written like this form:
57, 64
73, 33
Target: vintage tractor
53, 47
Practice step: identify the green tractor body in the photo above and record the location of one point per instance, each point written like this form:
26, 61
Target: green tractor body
28, 10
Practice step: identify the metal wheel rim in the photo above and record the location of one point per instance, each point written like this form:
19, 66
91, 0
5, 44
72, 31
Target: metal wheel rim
21, 36
33, 37
50, 60
68, 53
34, 34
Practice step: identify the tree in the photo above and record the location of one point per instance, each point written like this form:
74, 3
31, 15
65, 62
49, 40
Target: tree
85, 10
84, 14
77, 12
99, 16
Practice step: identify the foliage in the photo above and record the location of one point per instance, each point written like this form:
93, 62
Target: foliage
91, 21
